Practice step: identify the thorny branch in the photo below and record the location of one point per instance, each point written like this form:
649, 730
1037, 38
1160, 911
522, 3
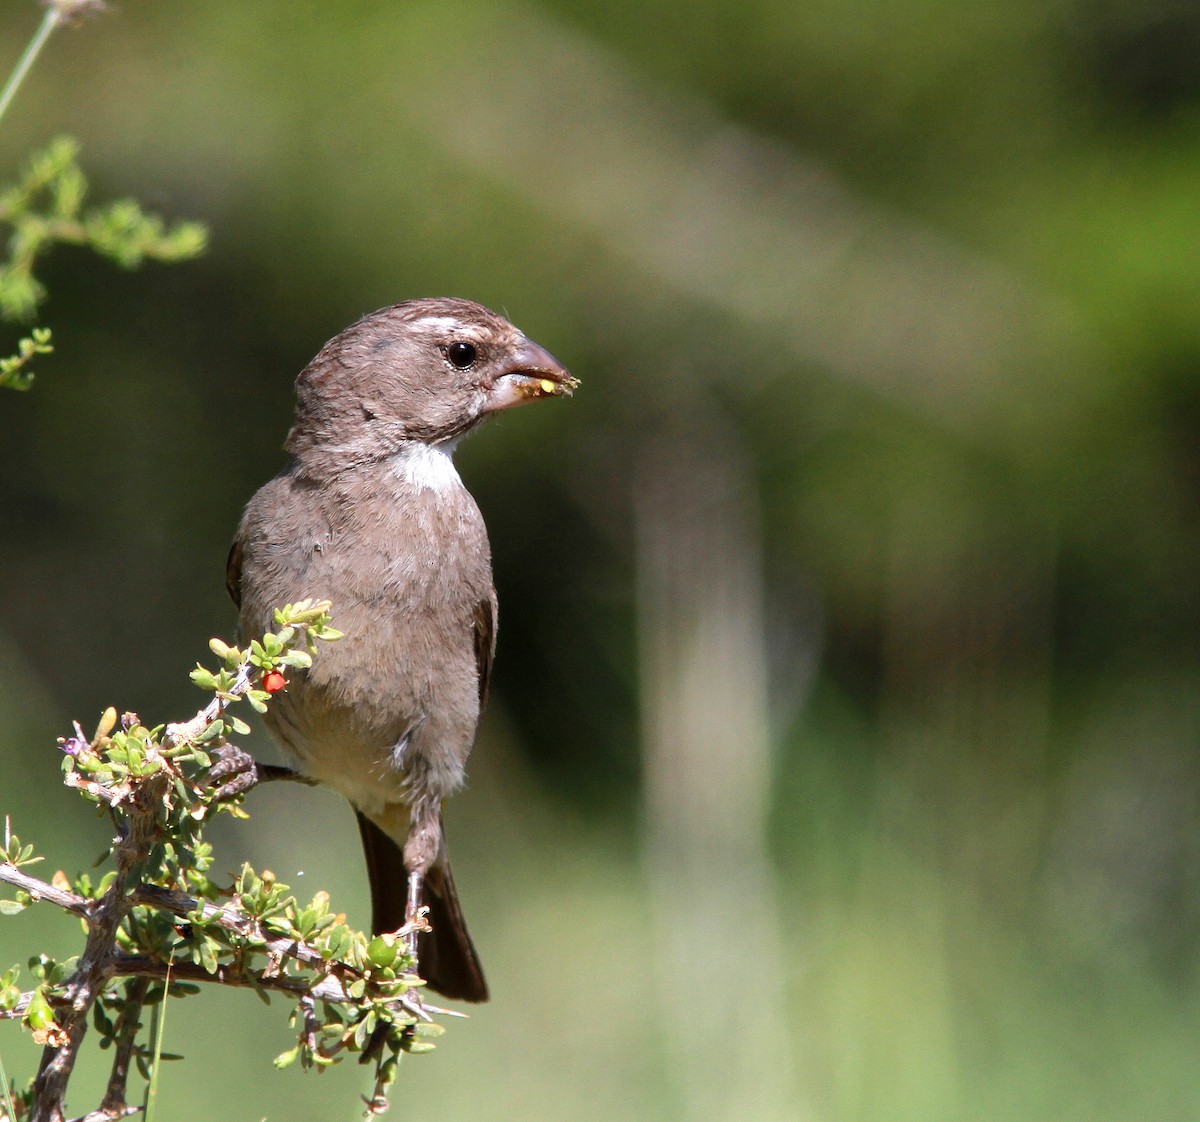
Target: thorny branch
156, 924
126, 1033
72, 1007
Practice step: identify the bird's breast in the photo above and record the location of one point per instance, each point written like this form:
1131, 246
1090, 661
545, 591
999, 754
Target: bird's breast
405, 566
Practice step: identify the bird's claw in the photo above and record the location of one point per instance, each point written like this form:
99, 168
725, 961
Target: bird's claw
233, 772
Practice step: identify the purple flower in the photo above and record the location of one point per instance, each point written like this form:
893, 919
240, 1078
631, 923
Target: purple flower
73, 745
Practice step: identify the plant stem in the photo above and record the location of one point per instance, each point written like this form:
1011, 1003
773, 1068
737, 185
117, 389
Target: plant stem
49, 22
126, 1036
8, 1103
150, 1099
87, 983
40, 890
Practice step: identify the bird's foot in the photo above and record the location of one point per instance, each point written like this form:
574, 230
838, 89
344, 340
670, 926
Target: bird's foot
416, 921
234, 772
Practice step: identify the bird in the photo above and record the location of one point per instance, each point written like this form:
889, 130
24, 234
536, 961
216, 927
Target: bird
370, 513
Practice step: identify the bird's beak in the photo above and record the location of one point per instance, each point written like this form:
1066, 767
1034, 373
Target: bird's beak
531, 373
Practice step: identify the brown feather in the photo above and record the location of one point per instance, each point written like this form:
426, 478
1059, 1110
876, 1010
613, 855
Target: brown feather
233, 572
370, 514
448, 960
485, 645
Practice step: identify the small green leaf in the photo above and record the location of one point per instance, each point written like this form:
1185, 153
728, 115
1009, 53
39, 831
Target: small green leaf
382, 952
39, 1015
204, 678
212, 731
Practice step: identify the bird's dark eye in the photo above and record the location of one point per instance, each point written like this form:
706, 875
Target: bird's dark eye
461, 354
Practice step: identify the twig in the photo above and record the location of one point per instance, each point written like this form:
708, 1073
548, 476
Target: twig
102, 1115
57, 12
87, 983
188, 730
142, 966
40, 890
126, 1035
158, 785
181, 904
150, 1098
331, 988
6, 1093
50, 21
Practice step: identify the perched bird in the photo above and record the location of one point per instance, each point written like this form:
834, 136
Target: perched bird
370, 514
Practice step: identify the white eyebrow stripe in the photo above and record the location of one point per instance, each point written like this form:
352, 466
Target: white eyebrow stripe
448, 325
437, 323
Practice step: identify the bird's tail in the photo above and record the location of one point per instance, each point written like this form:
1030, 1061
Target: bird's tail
448, 962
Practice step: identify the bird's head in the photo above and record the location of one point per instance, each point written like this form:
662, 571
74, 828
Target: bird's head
425, 370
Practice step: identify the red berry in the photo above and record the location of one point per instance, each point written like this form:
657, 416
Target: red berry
273, 681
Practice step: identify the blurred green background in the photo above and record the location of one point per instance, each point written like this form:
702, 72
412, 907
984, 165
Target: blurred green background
841, 763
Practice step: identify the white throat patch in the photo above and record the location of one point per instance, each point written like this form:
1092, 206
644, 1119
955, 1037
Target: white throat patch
428, 467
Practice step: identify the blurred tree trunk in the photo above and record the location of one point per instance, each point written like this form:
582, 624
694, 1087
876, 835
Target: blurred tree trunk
719, 948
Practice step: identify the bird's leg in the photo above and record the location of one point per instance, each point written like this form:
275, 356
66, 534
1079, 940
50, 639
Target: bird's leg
234, 771
421, 850
412, 1001
413, 920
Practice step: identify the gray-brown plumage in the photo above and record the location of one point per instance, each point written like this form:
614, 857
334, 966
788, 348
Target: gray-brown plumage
370, 514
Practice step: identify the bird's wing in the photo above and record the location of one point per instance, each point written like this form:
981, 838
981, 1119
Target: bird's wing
485, 643
233, 572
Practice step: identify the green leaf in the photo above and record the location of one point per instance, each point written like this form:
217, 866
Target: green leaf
382, 952
59, 972
212, 731
39, 1015
204, 678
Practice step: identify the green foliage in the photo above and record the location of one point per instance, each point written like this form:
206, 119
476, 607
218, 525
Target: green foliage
54, 182
160, 926
44, 208
14, 370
